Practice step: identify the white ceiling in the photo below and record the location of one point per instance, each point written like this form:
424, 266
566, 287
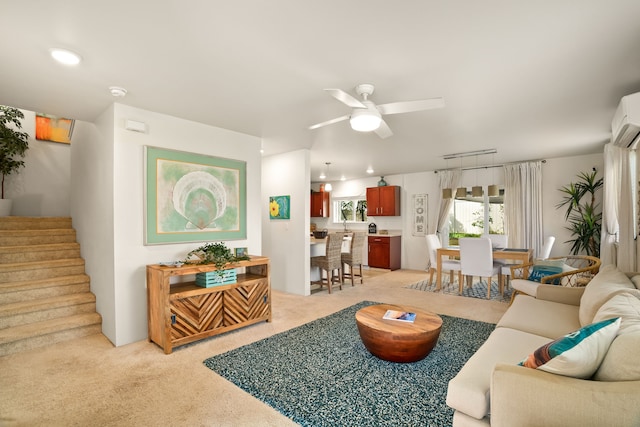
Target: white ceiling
533, 79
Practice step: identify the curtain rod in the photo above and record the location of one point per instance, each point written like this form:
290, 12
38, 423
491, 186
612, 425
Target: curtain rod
470, 168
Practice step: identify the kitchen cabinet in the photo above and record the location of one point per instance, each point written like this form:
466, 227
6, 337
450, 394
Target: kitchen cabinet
320, 204
182, 312
383, 201
384, 252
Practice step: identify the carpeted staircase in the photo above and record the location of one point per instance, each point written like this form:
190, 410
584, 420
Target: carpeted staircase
44, 291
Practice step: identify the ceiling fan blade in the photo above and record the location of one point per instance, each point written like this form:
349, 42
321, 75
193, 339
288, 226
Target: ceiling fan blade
345, 98
384, 131
410, 106
329, 122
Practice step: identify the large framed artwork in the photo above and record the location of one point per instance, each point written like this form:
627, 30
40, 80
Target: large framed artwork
193, 197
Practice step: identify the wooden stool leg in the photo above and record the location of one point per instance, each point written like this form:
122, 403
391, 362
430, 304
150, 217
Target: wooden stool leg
361, 279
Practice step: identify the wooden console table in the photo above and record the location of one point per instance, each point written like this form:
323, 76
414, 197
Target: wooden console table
181, 313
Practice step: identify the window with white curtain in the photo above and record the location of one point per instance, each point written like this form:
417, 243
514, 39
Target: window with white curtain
475, 216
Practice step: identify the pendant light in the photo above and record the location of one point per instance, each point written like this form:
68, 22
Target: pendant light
493, 190
476, 190
327, 186
447, 193
461, 192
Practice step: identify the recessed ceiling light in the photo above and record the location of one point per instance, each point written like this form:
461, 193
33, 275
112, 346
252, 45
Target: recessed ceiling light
65, 56
370, 170
117, 91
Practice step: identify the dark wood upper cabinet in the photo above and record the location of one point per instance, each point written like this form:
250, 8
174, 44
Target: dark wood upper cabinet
320, 202
383, 201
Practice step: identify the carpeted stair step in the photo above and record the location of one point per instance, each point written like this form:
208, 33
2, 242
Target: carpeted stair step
11, 292
33, 223
16, 272
29, 253
25, 312
36, 237
39, 334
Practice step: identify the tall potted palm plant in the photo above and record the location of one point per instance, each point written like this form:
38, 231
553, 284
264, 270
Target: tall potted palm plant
583, 214
13, 146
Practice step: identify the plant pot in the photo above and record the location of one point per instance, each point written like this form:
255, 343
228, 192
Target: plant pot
5, 207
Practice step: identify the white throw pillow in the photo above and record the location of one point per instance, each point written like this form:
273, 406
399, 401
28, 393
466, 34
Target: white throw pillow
577, 354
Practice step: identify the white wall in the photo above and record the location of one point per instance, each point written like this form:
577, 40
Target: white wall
41, 188
121, 152
286, 242
92, 168
556, 174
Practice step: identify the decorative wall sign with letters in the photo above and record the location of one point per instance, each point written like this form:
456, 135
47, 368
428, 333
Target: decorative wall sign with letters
420, 214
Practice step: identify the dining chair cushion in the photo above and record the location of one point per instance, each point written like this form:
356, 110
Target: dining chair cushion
543, 268
577, 354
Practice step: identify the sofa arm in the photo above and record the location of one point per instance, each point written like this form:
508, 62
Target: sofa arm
561, 294
528, 397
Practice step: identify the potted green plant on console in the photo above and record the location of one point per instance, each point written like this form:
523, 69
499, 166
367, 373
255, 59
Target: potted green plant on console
13, 146
219, 255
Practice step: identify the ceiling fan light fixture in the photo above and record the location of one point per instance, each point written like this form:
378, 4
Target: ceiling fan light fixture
362, 120
65, 56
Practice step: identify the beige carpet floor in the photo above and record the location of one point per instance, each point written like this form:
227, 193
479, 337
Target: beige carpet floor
89, 382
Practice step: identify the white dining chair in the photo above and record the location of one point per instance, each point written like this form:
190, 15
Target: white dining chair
544, 254
546, 248
451, 265
476, 259
498, 241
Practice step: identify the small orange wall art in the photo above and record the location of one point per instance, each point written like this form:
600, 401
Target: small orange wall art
51, 128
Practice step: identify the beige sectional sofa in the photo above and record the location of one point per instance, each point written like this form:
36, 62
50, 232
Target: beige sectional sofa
491, 389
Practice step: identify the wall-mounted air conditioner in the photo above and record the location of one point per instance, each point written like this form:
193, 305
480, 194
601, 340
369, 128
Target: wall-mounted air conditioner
625, 125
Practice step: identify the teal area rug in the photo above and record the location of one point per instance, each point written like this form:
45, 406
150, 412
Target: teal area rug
320, 374
477, 289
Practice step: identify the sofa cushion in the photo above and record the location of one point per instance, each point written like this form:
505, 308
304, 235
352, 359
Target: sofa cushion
543, 268
636, 281
625, 305
577, 354
468, 391
620, 363
603, 286
539, 317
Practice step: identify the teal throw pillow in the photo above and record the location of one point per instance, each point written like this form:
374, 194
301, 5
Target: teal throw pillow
544, 268
577, 354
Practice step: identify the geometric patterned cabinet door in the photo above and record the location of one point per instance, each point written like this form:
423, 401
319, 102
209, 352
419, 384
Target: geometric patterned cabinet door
196, 314
246, 303
182, 312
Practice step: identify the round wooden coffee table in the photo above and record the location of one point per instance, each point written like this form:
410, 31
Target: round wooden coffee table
394, 340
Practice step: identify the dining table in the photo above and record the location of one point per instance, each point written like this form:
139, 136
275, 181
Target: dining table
520, 256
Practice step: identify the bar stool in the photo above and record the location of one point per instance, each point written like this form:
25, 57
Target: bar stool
330, 262
353, 258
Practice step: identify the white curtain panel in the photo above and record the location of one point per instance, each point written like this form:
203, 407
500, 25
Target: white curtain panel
446, 179
523, 205
627, 213
609, 235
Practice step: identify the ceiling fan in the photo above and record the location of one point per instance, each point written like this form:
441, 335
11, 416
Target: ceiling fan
367, 116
